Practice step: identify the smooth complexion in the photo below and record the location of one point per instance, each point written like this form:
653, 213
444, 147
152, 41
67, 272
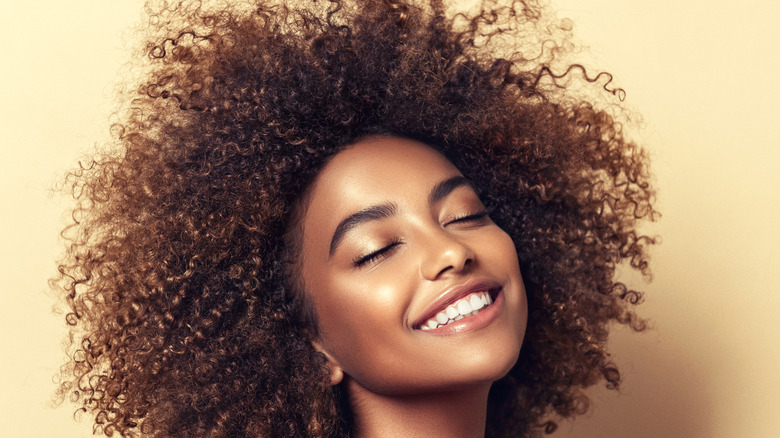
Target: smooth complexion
393, 235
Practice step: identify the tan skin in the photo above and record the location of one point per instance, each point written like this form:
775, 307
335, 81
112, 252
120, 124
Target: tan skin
392, 236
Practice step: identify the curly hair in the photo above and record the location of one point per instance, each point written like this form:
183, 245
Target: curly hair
184, 317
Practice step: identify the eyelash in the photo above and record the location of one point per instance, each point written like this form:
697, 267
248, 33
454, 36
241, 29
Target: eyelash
472, 216
375, 255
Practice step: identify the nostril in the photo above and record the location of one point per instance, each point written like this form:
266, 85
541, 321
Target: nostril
445, 254
458, 267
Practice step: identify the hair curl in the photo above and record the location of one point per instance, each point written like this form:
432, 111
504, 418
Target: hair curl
183, 318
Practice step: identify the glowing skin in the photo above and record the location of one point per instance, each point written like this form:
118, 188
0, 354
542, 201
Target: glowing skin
393, 239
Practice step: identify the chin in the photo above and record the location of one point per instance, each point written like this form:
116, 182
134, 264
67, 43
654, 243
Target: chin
483, 368
493, 367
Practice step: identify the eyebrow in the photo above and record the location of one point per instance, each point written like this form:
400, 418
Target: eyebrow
372, 213
444, 188
382, 211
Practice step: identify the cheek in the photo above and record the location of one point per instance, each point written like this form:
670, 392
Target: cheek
496, 246
360, 318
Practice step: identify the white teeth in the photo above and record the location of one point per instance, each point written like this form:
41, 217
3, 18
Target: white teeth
451, 312
464, 307
460, 309
476, 302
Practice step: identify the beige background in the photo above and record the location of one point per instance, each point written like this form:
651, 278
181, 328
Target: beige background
702, 73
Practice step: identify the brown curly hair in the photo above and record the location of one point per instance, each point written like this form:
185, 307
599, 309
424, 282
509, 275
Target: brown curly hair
184, 317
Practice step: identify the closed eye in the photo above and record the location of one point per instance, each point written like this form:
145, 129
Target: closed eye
373, 256
472, 217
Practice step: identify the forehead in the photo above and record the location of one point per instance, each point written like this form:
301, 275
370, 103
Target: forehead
375, 169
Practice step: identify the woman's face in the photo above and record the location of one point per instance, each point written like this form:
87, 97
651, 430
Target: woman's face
415, 288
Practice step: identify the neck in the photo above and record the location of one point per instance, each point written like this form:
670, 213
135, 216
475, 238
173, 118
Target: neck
458, 413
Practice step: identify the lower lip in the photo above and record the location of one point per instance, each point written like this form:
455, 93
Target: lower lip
470, 323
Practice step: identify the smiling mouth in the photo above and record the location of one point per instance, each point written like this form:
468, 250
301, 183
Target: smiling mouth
467, 306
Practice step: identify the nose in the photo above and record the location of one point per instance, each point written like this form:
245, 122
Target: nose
445, 254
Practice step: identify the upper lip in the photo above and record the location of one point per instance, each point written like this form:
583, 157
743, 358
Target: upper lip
454, 293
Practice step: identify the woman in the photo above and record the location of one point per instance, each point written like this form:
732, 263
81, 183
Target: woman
300, 196
417, 295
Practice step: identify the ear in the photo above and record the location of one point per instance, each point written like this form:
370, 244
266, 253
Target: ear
336, 373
